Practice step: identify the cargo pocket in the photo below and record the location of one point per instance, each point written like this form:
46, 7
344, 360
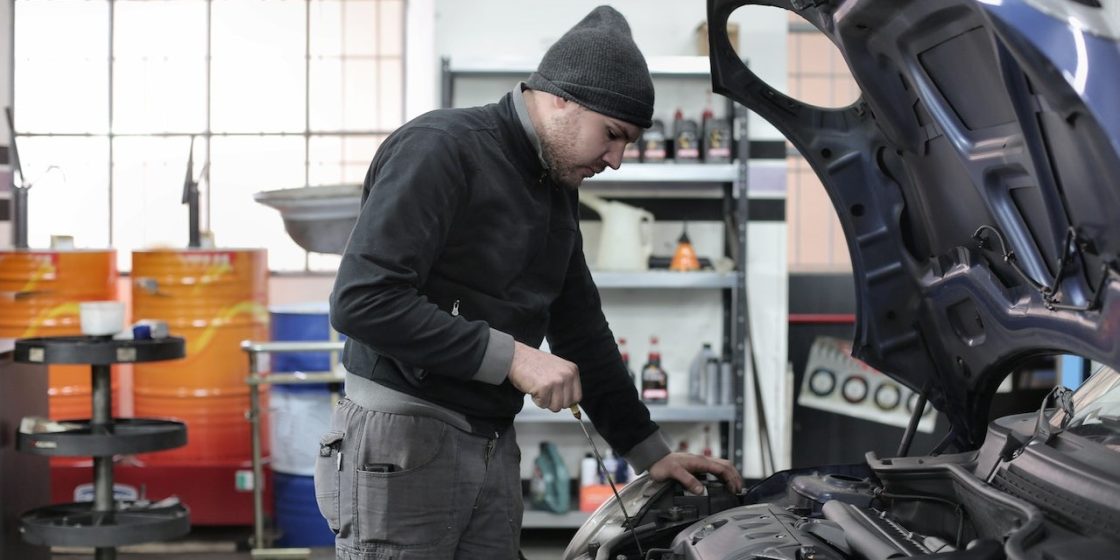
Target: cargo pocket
406, 482
328, 470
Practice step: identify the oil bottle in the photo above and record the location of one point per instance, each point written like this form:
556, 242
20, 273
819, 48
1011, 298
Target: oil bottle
655, 382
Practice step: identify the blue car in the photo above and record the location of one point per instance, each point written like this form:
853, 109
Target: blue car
977, 180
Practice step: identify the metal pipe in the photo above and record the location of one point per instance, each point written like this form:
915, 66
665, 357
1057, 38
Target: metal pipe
19, 218
255, 380
194, 234
912, 427
101, 421
272, 347
258, 468
301, 378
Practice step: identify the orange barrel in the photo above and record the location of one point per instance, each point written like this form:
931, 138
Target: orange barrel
214, 299
39, 296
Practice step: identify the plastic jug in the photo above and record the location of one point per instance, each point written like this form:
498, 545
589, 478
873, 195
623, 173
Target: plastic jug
548, 488
627, 237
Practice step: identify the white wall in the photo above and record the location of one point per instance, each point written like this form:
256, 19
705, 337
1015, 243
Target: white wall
525, 30
6, 37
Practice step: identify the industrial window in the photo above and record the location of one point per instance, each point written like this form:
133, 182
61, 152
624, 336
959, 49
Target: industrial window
818, 75
110, 95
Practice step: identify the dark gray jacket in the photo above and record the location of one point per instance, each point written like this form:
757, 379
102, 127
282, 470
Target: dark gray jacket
464, 244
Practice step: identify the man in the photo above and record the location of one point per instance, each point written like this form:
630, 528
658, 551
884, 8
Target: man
466, 254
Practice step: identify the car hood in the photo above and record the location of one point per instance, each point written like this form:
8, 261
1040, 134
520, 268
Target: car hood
976, 180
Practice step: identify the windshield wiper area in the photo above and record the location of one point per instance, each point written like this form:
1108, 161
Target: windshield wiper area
1044, 429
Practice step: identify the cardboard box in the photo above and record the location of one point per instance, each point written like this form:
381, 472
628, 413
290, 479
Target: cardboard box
702, 37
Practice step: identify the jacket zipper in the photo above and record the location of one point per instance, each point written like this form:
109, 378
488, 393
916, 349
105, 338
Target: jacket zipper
455, 309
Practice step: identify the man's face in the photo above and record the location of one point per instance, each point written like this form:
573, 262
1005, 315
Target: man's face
578, 143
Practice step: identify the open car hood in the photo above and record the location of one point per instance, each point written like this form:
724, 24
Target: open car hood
977, 179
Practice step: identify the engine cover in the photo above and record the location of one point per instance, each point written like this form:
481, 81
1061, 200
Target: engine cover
760, 531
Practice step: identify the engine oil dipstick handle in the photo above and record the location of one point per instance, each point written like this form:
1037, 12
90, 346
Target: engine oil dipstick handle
607, 475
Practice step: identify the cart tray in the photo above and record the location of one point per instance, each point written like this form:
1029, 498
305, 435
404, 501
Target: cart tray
96, 350
122, 436
75, 524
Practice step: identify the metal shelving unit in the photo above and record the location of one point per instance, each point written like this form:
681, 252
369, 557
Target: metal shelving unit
668, 173
722, 189
664, 413
665, 280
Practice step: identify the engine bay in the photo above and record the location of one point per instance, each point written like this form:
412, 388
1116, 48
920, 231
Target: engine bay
984, 504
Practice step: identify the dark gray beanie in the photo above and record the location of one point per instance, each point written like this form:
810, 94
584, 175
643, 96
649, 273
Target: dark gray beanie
597, 65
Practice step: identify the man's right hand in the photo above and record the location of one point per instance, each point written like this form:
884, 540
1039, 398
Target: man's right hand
552, 381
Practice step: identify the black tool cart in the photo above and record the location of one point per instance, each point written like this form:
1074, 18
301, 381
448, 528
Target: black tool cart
105, 523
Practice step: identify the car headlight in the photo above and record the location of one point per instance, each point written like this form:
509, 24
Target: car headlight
606, 525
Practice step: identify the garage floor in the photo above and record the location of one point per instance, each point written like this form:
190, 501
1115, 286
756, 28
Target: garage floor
223, 544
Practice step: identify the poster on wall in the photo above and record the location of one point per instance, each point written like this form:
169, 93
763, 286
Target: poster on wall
836, 382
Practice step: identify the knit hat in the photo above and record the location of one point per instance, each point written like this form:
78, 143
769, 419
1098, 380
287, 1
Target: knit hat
597, 65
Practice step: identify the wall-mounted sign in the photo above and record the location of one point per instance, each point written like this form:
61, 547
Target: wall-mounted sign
836, 382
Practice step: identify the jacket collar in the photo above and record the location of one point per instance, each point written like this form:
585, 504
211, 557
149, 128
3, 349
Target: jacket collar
520, 146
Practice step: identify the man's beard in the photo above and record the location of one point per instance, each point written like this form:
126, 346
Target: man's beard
558, 146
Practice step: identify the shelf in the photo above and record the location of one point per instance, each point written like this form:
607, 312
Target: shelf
124, 436
658, 412
534, 519
659, 66
95, 350
657, 279
75, 524
668, 172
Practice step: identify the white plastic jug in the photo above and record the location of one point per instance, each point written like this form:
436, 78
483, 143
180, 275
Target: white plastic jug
626, 240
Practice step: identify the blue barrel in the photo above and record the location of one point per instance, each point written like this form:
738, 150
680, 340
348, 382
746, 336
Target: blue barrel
297, 515
300, 322
300, 414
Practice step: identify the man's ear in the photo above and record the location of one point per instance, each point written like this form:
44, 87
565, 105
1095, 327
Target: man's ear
559, 102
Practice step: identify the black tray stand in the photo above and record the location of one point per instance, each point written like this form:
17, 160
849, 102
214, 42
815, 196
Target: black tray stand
104, 523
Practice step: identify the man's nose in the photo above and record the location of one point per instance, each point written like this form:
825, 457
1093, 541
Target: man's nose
613, 157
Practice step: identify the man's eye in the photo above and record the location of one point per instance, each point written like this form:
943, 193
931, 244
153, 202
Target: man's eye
611, 135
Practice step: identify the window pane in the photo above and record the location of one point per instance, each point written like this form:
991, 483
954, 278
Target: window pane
326, 17
258, 85
359, 27
391, 90
61, 75
72, 199
325, 155
391, 27
326, 94
337, 160
258, 66
159, 73
359, 102
148, 176
240, 167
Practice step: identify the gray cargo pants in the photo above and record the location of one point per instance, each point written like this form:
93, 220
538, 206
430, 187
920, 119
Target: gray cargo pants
405, 487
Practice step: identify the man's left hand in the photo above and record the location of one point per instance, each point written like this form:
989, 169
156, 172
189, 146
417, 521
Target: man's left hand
681, 466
